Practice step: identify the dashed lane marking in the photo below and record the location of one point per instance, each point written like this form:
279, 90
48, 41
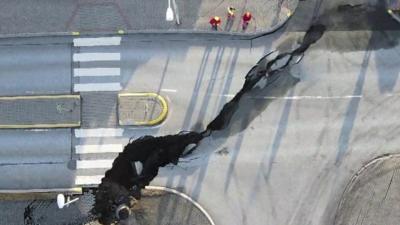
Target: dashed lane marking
169, 90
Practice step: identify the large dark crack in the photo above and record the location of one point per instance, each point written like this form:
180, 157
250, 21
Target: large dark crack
141, 159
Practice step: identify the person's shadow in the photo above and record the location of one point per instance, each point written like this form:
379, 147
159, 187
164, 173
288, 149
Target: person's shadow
229, 24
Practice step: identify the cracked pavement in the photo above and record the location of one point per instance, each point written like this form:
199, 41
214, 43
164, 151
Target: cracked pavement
124, 180
289, 151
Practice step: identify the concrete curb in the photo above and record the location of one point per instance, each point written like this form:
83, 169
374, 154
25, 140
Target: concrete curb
370, 166
123, 32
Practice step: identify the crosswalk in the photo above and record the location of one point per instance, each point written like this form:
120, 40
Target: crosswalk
97, 166
92, 56
91, 65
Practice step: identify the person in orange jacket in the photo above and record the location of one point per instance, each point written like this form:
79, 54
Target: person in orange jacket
215, 22
246, 19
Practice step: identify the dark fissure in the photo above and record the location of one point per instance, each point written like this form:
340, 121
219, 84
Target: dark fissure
141, 159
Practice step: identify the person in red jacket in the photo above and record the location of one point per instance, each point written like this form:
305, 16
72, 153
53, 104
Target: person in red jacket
215, 22
246, 19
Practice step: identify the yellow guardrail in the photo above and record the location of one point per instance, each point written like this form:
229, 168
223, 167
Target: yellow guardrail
42, 125
164, 107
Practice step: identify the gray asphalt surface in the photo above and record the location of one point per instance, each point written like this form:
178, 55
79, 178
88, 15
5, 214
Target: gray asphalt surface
286, 159
85, 16
35, 69
35, 158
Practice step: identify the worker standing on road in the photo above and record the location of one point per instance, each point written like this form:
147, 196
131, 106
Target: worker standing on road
231, 13
246, 19
215, 22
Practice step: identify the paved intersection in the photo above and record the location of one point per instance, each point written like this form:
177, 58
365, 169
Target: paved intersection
288, 156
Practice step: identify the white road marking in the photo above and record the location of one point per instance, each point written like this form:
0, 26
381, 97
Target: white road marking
312, 97
302, 97
82, 72
97, 87
169, 90
100, 41
88, 180
100, 132
107, 148
229, 96
99, 56
37, 130
94, 164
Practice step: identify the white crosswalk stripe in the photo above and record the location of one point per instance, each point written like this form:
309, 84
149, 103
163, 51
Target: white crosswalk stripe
88, 180
100, 41
94, 164
96, 56
91, 72
99, 132
97, 87
106, 148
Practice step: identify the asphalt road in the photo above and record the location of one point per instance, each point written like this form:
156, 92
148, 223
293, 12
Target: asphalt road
291, 149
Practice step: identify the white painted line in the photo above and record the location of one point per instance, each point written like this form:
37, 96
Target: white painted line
169, 90
229, 96
99, 56
311, 97
88, 180
89, 72
37, 130
100, 132
302, 97
87, 149
100, 41
97, 87
94, 164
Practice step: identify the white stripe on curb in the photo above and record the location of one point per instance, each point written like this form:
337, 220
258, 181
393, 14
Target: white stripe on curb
101, 41
100, 132
99, 56
82, 72
108, 148
97, 87
94, 164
